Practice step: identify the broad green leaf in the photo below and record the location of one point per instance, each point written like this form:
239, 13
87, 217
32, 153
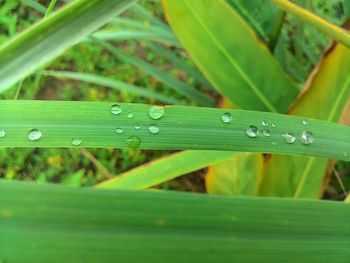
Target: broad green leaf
240, 175
47, 39
165, 169
230, 56
177, 85
331, 30
112, 83
45, 223
326, 95
260, 14
94, 124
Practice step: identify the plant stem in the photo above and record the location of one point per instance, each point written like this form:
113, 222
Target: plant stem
50, 8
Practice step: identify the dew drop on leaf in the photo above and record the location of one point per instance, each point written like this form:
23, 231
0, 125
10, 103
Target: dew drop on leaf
154, 129
226, 117
115, 109
252, 131
289, 137
133, 142
307, 137
305, 122
273, 125
130, 115
264, 123
137, 126
266, 133
274, 143
2, 133
119, 130
156, 112
34, 134
76, 141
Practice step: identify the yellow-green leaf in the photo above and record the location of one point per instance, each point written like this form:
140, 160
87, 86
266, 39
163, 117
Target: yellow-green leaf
240, 175
229, 54
325, 99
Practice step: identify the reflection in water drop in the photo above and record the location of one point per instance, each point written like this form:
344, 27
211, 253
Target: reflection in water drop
252, 131
34, 134
115, 109
156, 112
289, 137
307, 137
226, 117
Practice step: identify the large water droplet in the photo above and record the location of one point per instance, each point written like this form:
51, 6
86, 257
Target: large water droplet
264, 123
119, 130
137, 126
130, 115
156, 112
266, 133
154, 129
76, 141
226, 117
115, 109
305, 122
252, 131
34, 134
2, 133
133, 142
289, 137
307, 137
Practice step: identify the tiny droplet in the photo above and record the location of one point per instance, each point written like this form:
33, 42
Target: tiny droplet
274, 143
266, 132
154, 129
345, 154
115, 109
252, 131
289, 137
226, 117
264, 123
137, 126
133, 142
273, 125
76, 141
305, 122
2, 133
119, 130
307, 137
156, 112
130, 115
34, 134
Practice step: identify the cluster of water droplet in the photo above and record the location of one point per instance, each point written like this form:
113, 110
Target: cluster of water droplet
252, 131
154, 112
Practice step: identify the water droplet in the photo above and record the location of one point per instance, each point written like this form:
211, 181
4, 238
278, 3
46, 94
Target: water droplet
289, 137
130, 115
266, 132
76, 141
156, 112
345, 154
274, 143
252, 131
226, 117
305, 122
154, 129
133, 141
137, 126
2, 133
264, 123
34, 134
115, 109
307, 137
119, 130
273, 125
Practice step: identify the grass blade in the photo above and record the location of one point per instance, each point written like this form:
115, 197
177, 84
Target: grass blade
114, 84
333, 31
44, 223
35, 5
180, 128
165, 169
47, 39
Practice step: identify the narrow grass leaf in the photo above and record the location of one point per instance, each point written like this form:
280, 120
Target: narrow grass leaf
47, 39
95, 124
165, 169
